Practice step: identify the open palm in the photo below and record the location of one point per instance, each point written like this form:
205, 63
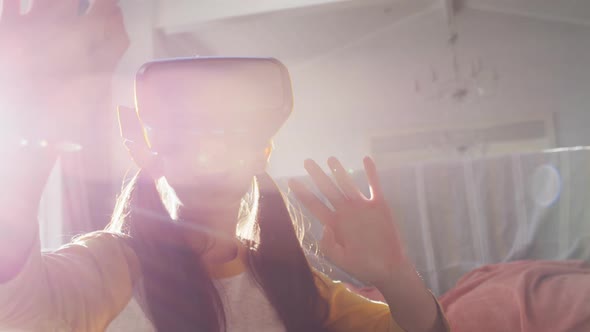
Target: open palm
55, 63
360, 234
56, 58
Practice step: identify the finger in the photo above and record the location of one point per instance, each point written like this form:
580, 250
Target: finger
132, 133
102, 7
324, 184
311, 202
39, 8
146, 159
373, 178
330, 246
111, 33
10, 10
344, 180
65, 8
115, 29
54, 10
130, 126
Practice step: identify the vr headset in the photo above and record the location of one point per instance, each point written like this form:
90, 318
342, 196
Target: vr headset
222, 96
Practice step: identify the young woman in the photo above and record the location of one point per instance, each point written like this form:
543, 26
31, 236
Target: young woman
202, 244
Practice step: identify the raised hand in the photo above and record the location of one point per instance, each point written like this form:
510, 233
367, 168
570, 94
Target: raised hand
56, 61
360, 234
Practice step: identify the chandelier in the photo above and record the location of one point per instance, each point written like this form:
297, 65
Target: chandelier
464, 81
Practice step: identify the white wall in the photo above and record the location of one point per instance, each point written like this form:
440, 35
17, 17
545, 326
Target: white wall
573, 128
543, 67
353, 73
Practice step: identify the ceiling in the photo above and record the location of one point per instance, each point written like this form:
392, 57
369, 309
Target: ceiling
300, 31
294, 35
340, 51
186, 15
567, 11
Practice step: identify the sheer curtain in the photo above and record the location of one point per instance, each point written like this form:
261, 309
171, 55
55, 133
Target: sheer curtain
458, 215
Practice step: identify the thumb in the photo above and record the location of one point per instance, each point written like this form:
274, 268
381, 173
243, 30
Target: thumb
132, 133
146, 159
330, 246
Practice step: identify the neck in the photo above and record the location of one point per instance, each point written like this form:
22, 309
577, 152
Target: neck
220, 228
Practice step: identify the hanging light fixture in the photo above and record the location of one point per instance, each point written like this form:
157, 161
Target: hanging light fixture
468, 80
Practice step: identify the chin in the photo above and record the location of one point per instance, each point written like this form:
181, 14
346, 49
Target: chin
209, 194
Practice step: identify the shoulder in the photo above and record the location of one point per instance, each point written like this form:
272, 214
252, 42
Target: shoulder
323, 282
92, 278
100, 238
349, 311
327, 286
335, 292
106, 249
101, 243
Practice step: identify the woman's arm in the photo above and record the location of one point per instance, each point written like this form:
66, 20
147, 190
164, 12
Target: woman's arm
411, 304
350, 312
80, 287
361, 237
56, 63
51, 76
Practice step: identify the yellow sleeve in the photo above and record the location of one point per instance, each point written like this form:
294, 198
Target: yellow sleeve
80, 287
351, 312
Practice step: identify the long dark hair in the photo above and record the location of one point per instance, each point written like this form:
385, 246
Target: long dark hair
176, 290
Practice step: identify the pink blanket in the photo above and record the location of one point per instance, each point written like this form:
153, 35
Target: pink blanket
527, 296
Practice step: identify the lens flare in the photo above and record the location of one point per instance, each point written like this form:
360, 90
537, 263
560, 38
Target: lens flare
546, 185
203, 158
